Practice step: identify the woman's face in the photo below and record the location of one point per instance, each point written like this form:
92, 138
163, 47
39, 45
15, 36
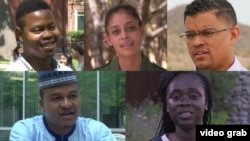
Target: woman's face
63, 60
125, 34
186, 101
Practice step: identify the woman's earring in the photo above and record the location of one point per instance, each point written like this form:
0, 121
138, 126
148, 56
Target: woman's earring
20, 49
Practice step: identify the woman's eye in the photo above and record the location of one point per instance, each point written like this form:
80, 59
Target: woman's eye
115, 32
131, 28
175, 97
193, 95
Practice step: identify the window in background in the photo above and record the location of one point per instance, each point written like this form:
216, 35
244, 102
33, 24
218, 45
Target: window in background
103, 98
79, 19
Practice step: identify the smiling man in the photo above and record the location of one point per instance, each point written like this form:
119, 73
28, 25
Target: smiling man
38, 32
60, 102
211, 35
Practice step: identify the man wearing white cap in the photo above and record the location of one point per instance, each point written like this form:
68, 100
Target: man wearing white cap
60, 102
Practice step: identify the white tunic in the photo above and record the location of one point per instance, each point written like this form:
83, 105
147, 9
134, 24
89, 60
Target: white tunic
36, 129
22, 65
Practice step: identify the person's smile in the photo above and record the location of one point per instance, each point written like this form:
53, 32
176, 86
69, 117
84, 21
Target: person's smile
185, 114
48, 45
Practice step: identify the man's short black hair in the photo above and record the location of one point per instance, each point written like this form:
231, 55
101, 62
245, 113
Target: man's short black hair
29, 6
223, 9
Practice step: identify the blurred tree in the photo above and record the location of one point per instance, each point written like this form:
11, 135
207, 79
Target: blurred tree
154, 17
221, 84
7, 36
76, 36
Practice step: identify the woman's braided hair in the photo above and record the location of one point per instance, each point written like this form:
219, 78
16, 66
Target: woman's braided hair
166, 125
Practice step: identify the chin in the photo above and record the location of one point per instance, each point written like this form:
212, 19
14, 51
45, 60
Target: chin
68, 126
51, 54
188, 126
201, 66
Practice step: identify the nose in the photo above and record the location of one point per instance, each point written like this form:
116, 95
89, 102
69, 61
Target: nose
47, 34
185, 101
197, 40
124, 34
66, 103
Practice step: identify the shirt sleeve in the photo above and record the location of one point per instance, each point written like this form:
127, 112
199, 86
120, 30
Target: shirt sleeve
19, 132
106, 134
96, 131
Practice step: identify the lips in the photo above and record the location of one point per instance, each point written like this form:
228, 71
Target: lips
126, 45
185, 114
48, 47
199, 53
67, 115
47, 44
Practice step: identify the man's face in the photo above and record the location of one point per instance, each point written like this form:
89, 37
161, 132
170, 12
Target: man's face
74, 53
124, 34
61, 106
216, 51
39, 34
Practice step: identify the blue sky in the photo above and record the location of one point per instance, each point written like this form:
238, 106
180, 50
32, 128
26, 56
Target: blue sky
242, 8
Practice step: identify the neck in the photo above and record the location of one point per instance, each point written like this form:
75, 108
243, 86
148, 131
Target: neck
131, 63
79, 58
58, 130
39, 64
183, 135
229, 64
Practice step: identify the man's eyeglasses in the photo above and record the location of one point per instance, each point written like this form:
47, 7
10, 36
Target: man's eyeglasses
204, 34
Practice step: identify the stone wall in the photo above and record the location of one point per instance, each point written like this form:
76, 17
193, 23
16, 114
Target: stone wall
239, 100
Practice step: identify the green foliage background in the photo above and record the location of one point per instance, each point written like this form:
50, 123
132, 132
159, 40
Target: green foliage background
76, 35
221, 84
